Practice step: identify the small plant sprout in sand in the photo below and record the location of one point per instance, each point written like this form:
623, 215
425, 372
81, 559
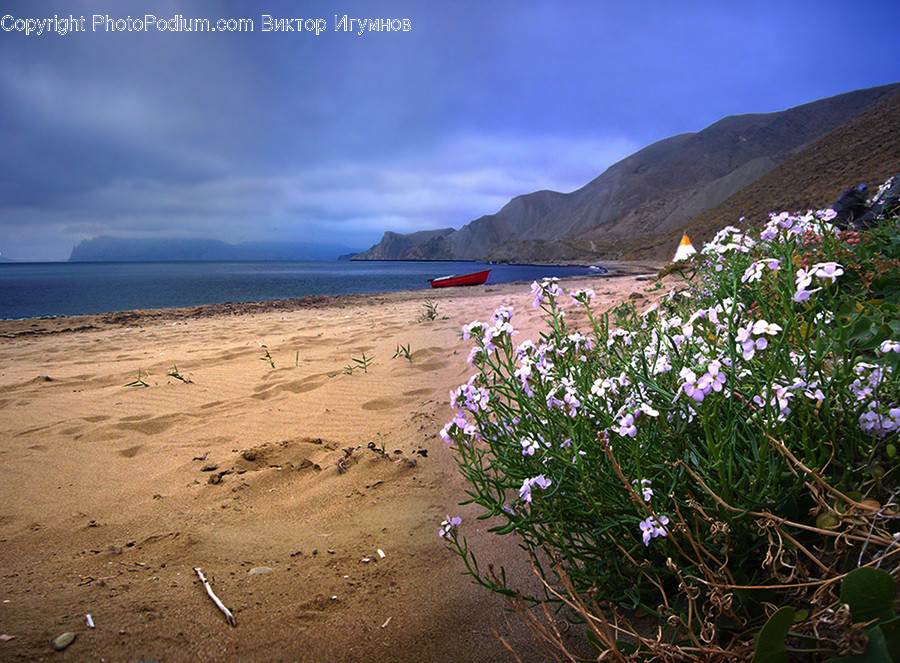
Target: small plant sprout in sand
362, 362
268, 356
430, 312
402, 351
178, 376
139, 382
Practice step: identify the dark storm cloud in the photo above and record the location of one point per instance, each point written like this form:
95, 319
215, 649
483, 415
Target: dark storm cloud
265, 135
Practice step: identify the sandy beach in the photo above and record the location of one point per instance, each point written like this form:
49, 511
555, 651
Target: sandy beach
309, 495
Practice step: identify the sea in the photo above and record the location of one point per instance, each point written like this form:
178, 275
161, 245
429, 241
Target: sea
52, 289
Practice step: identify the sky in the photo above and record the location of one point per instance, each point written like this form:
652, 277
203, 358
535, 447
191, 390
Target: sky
272, 135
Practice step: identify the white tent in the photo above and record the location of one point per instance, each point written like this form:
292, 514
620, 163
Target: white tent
685, 249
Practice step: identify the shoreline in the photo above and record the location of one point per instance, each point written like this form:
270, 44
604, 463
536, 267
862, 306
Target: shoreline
13, 328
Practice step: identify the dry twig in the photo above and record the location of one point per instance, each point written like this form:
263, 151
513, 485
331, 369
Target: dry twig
221, 606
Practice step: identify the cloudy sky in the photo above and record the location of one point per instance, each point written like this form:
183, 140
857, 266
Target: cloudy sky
264, 135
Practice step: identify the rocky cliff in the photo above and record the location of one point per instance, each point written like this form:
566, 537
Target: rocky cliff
423, 245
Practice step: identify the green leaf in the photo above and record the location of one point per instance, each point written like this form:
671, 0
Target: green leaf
770, 643
891, 630
870, 593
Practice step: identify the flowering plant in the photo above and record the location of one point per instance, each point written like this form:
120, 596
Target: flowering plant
727, 449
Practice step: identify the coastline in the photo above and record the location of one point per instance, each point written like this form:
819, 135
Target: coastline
48, 290
294, 469
96, 321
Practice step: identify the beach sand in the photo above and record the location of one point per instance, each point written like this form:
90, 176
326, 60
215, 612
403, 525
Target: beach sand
281, 483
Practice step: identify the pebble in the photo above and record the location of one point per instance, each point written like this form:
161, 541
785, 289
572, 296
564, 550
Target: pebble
64, 641
259, 570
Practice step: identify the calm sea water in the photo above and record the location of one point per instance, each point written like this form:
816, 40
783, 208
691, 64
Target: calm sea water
32, 290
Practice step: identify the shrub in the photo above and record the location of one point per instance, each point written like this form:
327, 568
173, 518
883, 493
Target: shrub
706, 460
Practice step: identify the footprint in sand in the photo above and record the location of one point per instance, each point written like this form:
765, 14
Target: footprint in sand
385, 403
130, 452
147, 425
264, 392
431, 366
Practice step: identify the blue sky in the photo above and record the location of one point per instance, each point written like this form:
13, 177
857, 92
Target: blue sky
337, 137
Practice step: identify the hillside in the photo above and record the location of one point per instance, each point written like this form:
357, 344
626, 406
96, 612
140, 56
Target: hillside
647, 197
865, 150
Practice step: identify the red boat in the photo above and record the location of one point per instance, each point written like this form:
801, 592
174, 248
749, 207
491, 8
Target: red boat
475, 278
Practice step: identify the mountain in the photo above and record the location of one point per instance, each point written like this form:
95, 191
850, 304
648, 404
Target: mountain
652, 193
865, 150
118, 249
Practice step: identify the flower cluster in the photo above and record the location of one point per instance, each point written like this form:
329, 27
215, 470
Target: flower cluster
698, 396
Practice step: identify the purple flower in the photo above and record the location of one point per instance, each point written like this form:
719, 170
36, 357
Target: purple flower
626, 426
582, 297
803, 295
503, 314
646, 490
890, 346
650, 528
460, 428
713, 378
546, 289
540, 481
828, 271
470, 397
448, 527
689, 386
755, 271
529, 446
474, 329
476, 355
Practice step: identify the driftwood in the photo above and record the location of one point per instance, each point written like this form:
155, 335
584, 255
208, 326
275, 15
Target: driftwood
221, 606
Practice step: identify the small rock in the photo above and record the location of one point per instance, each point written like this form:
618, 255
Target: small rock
209, 467
259, 570
64, 641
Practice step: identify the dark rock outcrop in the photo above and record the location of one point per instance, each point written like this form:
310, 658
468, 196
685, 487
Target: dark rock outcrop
422, 245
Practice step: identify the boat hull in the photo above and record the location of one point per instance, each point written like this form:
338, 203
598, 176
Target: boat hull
475, 278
